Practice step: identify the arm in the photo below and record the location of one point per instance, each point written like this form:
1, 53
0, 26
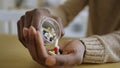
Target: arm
69, 10
102, 49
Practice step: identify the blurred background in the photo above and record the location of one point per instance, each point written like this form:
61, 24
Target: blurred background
12, 10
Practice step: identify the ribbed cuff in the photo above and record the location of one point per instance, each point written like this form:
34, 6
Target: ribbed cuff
94, 52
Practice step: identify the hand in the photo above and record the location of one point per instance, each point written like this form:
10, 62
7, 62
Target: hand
32, 18
73, 51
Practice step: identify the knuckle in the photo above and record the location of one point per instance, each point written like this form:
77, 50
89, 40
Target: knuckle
27, 13
47, 11
18, 23
22, 16
36, 10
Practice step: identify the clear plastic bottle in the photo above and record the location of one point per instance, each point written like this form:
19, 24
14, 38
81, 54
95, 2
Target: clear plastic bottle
50, 31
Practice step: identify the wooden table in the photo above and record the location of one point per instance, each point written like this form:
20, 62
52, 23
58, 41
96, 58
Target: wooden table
14, 55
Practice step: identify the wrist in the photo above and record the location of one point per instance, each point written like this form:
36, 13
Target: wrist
80, 51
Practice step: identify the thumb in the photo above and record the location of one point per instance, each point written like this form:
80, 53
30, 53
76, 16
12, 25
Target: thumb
40, 45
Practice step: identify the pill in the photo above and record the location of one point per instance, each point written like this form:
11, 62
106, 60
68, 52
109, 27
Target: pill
52, 52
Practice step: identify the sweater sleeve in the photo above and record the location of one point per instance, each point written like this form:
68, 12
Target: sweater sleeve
68, 10
102, 49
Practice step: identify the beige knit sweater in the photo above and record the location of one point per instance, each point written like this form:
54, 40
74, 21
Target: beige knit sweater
103, 43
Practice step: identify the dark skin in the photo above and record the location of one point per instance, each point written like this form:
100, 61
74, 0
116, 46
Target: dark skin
29, 36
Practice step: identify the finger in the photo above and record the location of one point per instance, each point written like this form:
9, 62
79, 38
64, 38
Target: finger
31, 46
36, 18
28, 18
36, 21
18, 29
21, 25
25, 32
26, 35
61, 60
40, 46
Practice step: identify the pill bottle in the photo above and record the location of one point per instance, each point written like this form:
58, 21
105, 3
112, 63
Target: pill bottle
50, 31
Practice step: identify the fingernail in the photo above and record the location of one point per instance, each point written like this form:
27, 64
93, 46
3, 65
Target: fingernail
25, 31
32, 29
